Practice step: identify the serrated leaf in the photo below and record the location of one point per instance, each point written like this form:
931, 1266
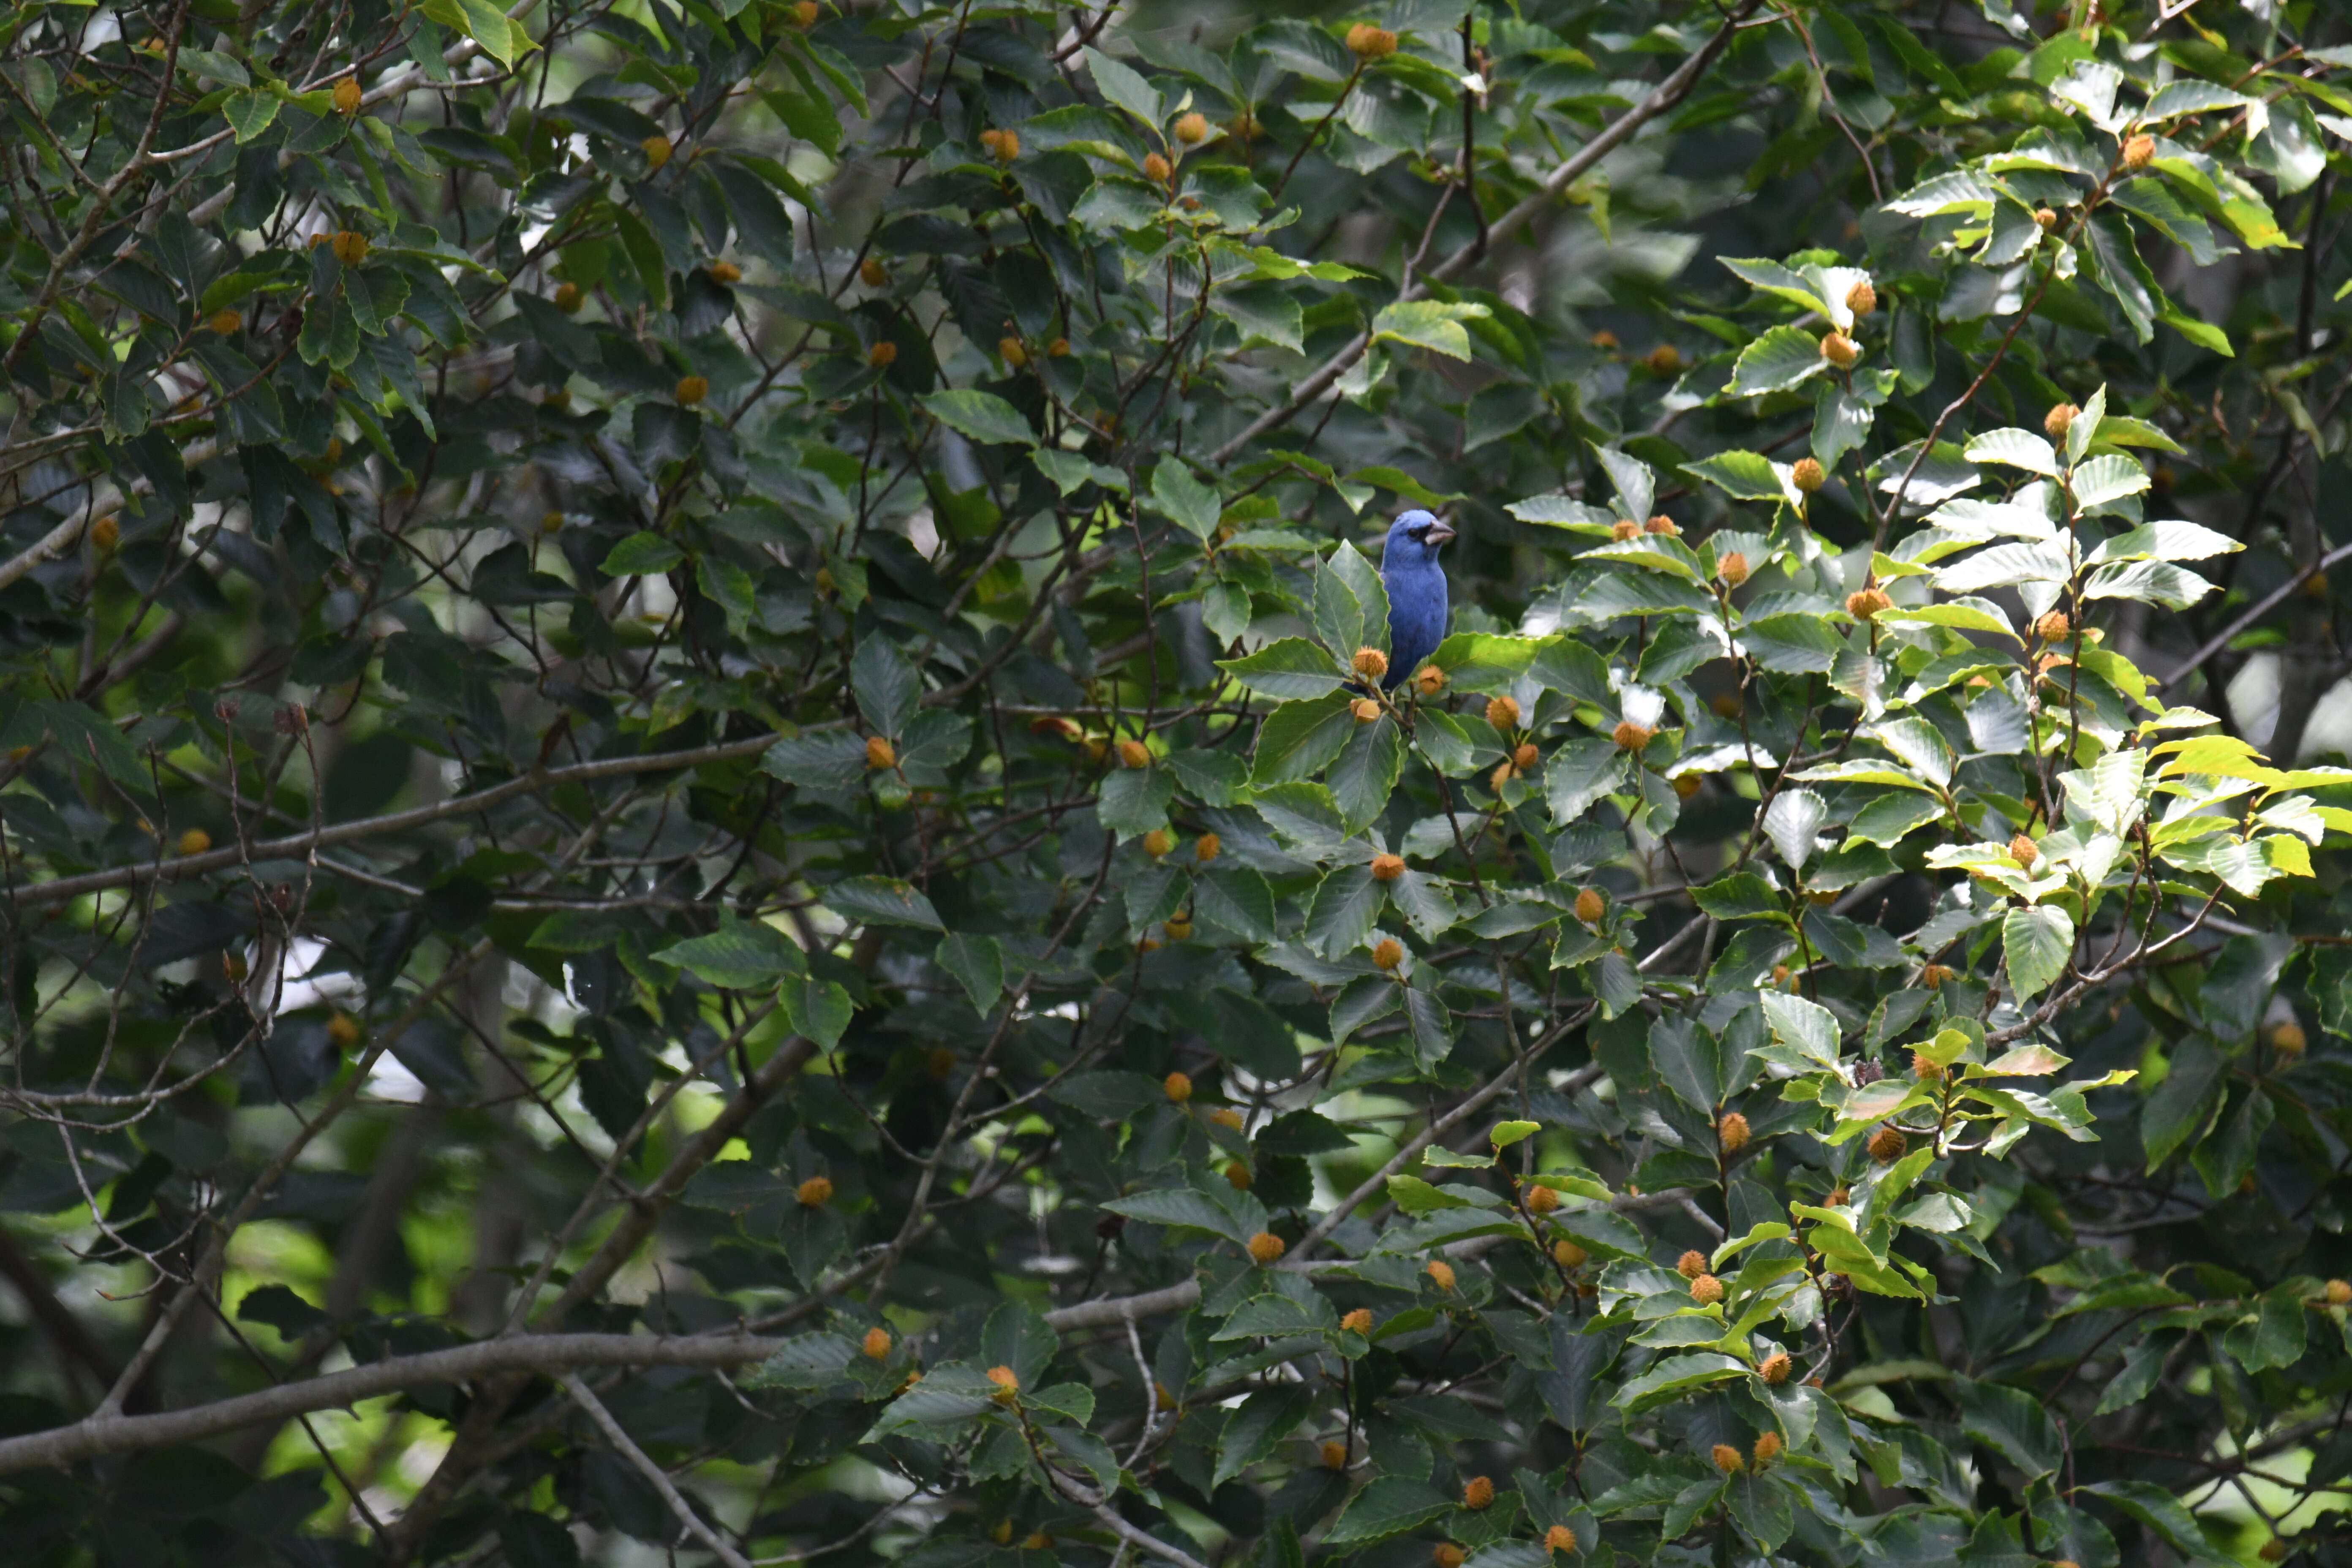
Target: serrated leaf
882, 901
1743, 475
1239, 900
1364, 774
1771, 277
2036, 944
2015, 447
2187, 96
1287, 668
1252, 1432
1179, 1206
739, 955
1345, 905
977, 963
981, 416
2106, 478
1390, 1506
641, 555
1783, 357
2170, 539
1298, 738
1793, 822
1428, 324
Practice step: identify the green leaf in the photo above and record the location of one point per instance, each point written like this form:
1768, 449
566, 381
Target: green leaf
1192, 504
1214, 778
1123, 85
1340, 918
977, 963
1783, 357
2011, 1422
1297, 740
1290, 667
1428, 324
2108, 477
1347, 567
1675, 1376
1792, 643
882, 901
2204, 335
1251, 1433
2189, 96
887, 685
484, 22
1741, 896
1070, 471
2117, 267
2017, 448
1364, 774
1483, 661
1503, 1134
1135, 801
2036, 944
1771, 277
1179, 1206
249, 113
2159, 1510
1390, 1506
741, 955
2184, 1104
818, 1009
2171, 540
1963, 191
1743, 475
642, 554
982, 417
1112, 1096
1239, 900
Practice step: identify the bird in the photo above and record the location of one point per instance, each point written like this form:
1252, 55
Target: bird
1416, 587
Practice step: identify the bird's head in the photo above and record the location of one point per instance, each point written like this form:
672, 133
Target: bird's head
1413, 540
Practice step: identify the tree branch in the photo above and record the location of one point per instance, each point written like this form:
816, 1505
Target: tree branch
298, 846
587, 1399
103, 1435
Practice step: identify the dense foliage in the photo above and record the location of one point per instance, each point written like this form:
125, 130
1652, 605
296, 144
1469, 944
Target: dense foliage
705, 858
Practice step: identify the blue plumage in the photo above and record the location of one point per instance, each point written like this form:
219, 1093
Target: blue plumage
1416, 586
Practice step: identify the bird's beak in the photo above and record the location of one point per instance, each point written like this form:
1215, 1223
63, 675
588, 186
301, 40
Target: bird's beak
1438, 534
